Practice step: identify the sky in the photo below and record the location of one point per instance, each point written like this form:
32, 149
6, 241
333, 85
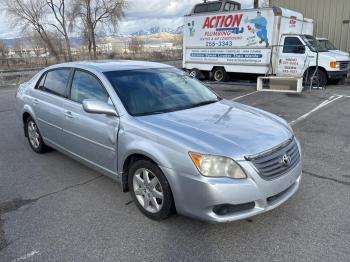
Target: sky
142, 14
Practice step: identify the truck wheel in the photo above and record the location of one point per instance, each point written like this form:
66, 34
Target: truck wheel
195, 73
219, 75
320, 78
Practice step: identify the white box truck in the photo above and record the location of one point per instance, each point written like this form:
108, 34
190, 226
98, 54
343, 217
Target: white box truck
220, 38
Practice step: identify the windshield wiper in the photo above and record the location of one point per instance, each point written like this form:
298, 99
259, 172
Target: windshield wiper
203, 103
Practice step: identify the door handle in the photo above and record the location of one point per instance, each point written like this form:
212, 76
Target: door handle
35, 101
68, 114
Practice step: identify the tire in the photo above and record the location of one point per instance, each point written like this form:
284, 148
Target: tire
219, 74
320, 79
195, 73
34, 137
153, 198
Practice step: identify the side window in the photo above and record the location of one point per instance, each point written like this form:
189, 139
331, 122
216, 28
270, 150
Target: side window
56, 81
40, 85
293, 45
87, 86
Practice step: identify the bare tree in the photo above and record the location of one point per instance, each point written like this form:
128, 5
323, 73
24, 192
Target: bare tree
31, 14
3, 49
36, 43
64, 16
136, 45
99, 13
18, 47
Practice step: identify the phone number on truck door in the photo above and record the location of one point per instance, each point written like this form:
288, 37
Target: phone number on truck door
218, 43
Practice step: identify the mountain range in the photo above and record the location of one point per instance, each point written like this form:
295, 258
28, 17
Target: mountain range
78, 41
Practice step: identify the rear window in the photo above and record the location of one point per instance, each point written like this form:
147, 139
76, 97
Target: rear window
55, 81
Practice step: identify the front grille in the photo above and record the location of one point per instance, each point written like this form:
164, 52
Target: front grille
344, 65
271, 165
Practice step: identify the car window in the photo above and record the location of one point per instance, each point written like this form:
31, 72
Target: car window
87, 86
41, 83
56, 81
293, 45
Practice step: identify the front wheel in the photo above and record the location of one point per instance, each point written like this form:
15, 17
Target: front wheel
150, 190
316, 78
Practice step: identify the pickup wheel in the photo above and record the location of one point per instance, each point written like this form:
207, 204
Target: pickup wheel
150, 190
34, 137
315, 79
219, 74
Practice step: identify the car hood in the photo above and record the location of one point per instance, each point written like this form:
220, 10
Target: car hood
225, 128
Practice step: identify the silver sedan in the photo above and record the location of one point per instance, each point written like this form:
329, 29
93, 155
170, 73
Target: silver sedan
167, 138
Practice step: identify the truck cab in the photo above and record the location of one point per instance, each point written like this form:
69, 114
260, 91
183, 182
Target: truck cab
301, 55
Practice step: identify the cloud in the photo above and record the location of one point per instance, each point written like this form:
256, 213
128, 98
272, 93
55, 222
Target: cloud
142, 14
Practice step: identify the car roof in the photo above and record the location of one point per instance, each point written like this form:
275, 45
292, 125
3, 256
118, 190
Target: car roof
112, 65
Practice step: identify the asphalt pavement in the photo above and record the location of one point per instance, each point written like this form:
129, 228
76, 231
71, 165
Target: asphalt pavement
55, 209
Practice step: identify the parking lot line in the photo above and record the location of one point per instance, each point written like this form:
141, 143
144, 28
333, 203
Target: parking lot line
236, 98
26, 256
320, 106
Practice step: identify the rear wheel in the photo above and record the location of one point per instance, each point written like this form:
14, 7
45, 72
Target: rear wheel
34, 137
150, 190
219, 74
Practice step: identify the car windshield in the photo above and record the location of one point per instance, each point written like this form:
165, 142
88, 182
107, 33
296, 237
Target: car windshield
157, 91
327, 44
313, 44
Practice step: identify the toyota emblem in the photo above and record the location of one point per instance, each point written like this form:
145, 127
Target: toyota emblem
285, 160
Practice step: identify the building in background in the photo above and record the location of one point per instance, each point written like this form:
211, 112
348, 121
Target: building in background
332, 18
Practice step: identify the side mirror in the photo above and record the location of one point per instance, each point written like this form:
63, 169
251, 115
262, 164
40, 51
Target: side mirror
97, 107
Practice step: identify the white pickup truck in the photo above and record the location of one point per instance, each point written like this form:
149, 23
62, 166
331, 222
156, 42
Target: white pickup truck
220, 38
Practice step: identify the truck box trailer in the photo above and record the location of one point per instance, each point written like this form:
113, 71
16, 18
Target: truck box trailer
265, 41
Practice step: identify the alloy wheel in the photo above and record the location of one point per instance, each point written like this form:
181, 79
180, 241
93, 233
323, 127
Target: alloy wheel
33, 134
148, 190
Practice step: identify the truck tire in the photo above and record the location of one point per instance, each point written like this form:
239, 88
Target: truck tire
320, 78
195, 73
219, 74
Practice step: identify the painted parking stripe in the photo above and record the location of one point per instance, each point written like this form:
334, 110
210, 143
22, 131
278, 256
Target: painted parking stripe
330, 100
236, 98
26, 256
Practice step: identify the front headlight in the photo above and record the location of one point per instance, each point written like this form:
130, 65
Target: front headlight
217, 166
334, 64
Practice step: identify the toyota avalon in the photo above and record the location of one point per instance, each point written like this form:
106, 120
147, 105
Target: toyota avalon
166, 137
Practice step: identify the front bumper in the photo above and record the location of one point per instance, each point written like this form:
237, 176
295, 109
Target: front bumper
337, 75
198, 196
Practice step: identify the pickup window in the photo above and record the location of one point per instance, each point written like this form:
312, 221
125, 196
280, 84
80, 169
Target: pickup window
293, 45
